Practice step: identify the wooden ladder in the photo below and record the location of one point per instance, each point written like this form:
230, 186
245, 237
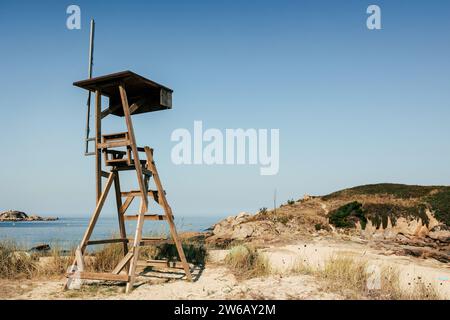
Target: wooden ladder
121, 160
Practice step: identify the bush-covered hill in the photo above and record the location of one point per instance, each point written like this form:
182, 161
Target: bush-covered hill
393, 201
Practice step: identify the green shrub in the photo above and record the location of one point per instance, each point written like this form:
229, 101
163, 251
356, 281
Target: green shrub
380, 213
401, 191
346, 215
440, 204
318, 226
281, 218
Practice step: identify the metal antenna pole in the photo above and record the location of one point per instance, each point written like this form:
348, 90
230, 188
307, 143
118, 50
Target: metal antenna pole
91, 59
275, 201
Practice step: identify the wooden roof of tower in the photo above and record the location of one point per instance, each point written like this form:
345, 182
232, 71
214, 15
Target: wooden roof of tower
143, 94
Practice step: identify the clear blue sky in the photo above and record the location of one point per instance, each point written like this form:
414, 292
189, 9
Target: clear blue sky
353, 106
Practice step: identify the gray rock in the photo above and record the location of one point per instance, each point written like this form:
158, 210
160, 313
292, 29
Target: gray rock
40, 248
242, 231
442, 235
13, 215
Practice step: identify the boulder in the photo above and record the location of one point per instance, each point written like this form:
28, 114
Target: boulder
227, 226
40, 248
441, 235
237, 227
242, 232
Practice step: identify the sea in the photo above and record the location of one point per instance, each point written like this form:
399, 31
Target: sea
66, 233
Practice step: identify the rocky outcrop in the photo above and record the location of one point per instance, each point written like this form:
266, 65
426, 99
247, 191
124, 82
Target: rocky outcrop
409, 227
415, 230
407, 220
13, 215
233, 227
241, 227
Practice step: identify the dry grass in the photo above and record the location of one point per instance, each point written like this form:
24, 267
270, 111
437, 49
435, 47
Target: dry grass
391, 290
55, 264
14, 263
422, 291
350, 277
301, 268
345, 273
105, 259
246, 262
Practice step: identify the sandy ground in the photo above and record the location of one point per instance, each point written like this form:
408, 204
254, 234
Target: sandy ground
217, 282
411, 270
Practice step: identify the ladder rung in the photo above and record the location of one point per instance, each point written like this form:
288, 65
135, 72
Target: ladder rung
115, 136
137, 193
114, 144
146, 217
116, 152
126, 166
133, 167
143, 162
150, 241
116, 161
93, 242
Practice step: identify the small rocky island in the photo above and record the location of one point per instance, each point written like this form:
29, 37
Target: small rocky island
13, 215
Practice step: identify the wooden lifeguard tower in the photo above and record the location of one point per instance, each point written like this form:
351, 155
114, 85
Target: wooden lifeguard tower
128, 94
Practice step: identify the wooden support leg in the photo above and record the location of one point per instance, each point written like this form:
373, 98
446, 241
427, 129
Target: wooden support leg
98, 138
144, 192
167, 211
135, 251
137, 241
126, 111
177, 242
75, 282
97, 211
94, 217
79, 258
146, 179
122, 229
